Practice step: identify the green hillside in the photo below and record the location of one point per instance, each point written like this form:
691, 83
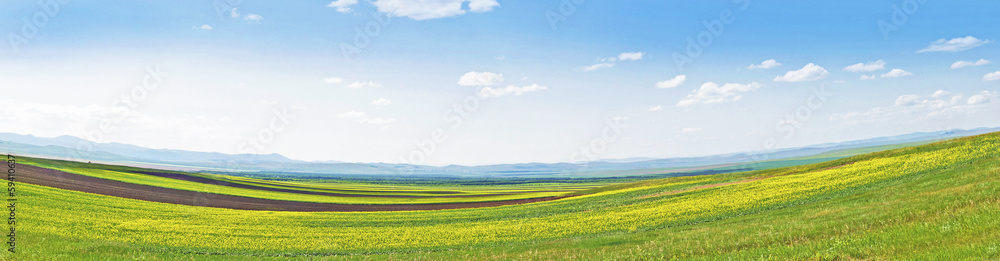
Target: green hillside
935, 201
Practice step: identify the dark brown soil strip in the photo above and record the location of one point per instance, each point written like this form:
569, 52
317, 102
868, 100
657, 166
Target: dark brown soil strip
69, 181
203, 180
344, 190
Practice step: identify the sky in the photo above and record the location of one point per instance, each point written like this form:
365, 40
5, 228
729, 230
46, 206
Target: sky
475, 82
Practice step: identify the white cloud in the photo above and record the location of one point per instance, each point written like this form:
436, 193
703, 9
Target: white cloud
954, 45
960, 64
810, 72
253, 18
432, 9
634, 56
895, 73
689, 130
250, 18
867, 77
765, 65
656, 108
597, 66
993, 76
711, 92
363, 84
981, 98
488, 92
206, 27
908, 100
610, 61
481, 6
343, 6
866, 67
676, 81
940, 93
333, 80
941, 104
474, 78
381, 102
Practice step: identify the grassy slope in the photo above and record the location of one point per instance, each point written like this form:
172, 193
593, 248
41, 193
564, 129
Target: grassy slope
950, 214
368, 193
949, 211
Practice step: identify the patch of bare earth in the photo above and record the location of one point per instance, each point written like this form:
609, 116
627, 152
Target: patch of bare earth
69, 181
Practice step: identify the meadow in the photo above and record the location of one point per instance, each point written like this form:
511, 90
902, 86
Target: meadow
305, 191
934, 201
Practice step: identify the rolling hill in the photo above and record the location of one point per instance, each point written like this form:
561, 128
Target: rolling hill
933, 201
64, 147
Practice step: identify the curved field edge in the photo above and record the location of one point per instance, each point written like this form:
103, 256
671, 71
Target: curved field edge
505, 194
941, 197
316, 185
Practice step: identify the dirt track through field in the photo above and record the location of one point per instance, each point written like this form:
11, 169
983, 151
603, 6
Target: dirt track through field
69, 181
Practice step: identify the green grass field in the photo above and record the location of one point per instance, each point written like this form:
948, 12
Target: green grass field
359, 193
935, 201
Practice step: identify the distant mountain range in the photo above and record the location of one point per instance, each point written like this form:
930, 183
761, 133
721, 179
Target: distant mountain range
66, 147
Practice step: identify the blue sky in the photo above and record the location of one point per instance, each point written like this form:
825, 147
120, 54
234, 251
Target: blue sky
603, 82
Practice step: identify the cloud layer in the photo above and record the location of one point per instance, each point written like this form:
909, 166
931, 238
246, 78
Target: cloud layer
610, 61
475, 78
676, 81
343, 6
866, 67
962, 64
954, 45
896, 73
810, 72
941, 104
711, 92
765, 65
432, 9
993, 76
